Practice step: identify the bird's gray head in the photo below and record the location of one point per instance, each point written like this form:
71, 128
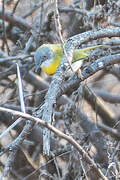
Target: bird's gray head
43, 57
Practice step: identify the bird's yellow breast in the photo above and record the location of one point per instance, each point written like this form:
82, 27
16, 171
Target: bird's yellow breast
51, 69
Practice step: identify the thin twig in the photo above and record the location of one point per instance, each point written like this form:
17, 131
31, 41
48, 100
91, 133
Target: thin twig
97, 104
34, 8
83, 169
41, 15
55, 162
15, 7
62, 135
20, 87
15, 146
12, 58
59, 30
4, 29
28, 44
10, 127
15, 20
106, 96
22, 103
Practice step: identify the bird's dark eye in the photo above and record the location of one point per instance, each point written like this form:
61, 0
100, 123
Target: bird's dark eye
44, 57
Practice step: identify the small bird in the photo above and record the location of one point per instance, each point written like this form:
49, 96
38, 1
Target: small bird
48, 56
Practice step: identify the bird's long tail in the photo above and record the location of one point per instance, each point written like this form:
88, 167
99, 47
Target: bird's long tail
81, 53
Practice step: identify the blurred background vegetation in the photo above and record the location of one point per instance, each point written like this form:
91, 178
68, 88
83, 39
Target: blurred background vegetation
24, 26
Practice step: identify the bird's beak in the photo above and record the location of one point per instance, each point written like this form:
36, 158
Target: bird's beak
37, 68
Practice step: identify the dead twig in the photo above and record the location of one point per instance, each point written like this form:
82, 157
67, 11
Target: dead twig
15, 20
55, 90
56, 131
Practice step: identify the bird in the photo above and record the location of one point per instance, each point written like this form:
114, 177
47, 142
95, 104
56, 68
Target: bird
48, 56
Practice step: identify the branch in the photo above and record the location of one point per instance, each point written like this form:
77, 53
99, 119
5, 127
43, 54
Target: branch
106, 96
15, 20
94, 135
98, 105
58, 78
89, 71
12, 58
62, 135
